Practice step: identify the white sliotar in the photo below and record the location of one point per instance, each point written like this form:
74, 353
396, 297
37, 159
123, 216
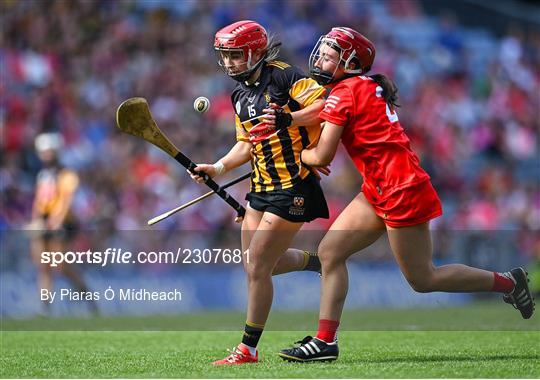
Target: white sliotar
201, 104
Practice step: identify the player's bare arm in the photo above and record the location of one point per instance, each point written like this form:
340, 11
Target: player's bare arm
325, 150
239, 154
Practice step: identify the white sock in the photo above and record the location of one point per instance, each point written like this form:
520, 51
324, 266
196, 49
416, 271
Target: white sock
252, 350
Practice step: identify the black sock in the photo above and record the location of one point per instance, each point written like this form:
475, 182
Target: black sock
252, 334
312, 262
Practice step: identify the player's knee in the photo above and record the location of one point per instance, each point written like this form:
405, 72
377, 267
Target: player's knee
328, 256
421, 284
328, 261
258, 271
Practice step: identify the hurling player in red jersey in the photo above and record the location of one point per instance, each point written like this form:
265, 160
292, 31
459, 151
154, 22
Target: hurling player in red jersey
397, 196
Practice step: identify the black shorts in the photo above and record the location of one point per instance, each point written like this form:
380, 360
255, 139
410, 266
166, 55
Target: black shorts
67, 231
303, 202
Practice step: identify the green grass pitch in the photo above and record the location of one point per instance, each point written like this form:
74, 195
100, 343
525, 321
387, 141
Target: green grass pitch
426, 352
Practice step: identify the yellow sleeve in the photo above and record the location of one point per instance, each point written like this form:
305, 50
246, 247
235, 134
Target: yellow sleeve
306, 90
241, 133
68, 181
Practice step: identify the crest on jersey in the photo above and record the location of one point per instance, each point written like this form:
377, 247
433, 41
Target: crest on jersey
267, 97
298, 201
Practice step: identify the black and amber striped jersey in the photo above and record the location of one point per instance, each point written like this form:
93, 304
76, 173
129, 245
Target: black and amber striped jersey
54, 187
276, 160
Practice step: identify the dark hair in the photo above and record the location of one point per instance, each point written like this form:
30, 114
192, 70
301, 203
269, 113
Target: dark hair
390, 89
272, 48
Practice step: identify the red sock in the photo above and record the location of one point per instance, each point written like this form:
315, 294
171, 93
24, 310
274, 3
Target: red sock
327, 330
502, 284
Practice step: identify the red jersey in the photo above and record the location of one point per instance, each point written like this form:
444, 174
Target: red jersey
373, 137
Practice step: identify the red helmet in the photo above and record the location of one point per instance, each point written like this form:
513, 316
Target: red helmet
246, 37
352, 46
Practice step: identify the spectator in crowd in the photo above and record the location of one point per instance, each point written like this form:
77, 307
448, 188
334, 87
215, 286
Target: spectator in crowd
67, 65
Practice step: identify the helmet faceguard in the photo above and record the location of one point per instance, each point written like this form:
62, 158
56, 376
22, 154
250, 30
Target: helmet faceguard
227, 55
323, 77
353, 49
240, 42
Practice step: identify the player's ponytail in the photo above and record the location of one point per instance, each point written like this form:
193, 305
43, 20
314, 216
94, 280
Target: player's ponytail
390, 89
272, 48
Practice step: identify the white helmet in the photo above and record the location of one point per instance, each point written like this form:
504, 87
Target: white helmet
49, 141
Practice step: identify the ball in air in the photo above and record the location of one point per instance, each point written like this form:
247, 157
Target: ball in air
201, 104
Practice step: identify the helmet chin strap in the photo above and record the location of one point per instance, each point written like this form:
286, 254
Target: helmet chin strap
244, 76
322, 77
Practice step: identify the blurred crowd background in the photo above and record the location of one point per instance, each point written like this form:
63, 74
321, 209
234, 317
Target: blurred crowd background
469, 96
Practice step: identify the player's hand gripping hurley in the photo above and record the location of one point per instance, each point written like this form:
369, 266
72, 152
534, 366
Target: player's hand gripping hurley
133, 117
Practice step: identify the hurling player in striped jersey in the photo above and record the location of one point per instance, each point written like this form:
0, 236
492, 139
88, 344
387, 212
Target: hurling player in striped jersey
277, 116
396, 198
53, 220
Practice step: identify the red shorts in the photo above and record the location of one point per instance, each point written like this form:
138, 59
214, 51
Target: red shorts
408, 206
